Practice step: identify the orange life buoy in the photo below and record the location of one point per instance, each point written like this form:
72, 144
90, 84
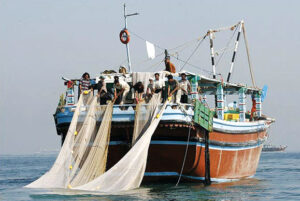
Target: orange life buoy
124, 36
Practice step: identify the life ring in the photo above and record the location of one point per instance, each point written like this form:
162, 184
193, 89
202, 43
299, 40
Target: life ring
124, 36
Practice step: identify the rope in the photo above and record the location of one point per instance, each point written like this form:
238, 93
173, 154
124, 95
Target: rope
146, 40
186, 148
195, 66
227, 46
193, 52
248, 55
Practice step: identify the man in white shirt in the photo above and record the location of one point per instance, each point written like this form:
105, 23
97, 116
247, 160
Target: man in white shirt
121, 89
184, 90
159, 84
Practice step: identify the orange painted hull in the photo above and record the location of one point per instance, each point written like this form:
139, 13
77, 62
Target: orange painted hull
232, 156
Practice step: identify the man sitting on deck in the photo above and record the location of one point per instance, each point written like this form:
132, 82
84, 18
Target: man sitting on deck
121, 89
169, 66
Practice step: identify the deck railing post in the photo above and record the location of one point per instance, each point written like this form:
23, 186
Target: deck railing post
257, 97
194, 84
70, 98
220, 102
242, 104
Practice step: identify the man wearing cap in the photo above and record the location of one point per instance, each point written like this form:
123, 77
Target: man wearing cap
102, 91
183, 90
121, 89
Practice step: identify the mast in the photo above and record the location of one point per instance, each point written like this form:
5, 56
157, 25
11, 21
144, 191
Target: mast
212, 53
235, 50
127, 45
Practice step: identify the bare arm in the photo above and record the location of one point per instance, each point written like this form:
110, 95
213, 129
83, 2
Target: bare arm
174, 91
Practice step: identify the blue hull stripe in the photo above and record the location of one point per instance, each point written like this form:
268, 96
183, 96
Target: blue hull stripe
160, 142
166, 174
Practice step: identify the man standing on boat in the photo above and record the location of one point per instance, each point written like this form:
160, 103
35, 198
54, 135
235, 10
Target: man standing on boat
138, 91
172, 88
102, 91
184, 90
150, 90
159, 84
84, 83
121, 89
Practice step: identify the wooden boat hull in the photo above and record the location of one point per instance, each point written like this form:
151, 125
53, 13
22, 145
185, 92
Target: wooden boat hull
232, 156
234, 147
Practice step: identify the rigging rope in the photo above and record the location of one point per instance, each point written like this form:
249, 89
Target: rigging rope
248, 55
192, 65
194, 51
227, 46
186, 44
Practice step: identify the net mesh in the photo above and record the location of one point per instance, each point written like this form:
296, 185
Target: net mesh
82, 160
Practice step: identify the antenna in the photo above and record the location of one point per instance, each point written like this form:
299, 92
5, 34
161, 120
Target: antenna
127, 45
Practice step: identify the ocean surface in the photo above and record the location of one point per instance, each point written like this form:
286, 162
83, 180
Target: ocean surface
277, 178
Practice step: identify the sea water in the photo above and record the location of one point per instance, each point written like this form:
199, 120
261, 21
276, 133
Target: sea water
277, 178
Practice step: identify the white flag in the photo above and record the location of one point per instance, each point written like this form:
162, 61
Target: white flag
150, 50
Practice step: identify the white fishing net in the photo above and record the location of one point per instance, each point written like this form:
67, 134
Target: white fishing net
128, 173
143, 116
81, 162
58, 175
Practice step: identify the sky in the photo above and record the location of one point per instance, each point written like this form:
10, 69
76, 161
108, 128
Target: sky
43, 40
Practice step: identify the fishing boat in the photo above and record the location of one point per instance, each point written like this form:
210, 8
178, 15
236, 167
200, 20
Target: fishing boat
197, 141
273, 148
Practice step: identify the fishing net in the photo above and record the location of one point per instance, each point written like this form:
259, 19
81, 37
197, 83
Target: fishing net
129, 171
81, 162
81, 145
94, 163
57, 176
143, 116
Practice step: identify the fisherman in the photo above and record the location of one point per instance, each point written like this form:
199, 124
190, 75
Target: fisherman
159, 84
122, 70
102, 91
172, 88
85, 83
169, 66
253, 109
183, 90
150, 89
121, 90
138, 91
